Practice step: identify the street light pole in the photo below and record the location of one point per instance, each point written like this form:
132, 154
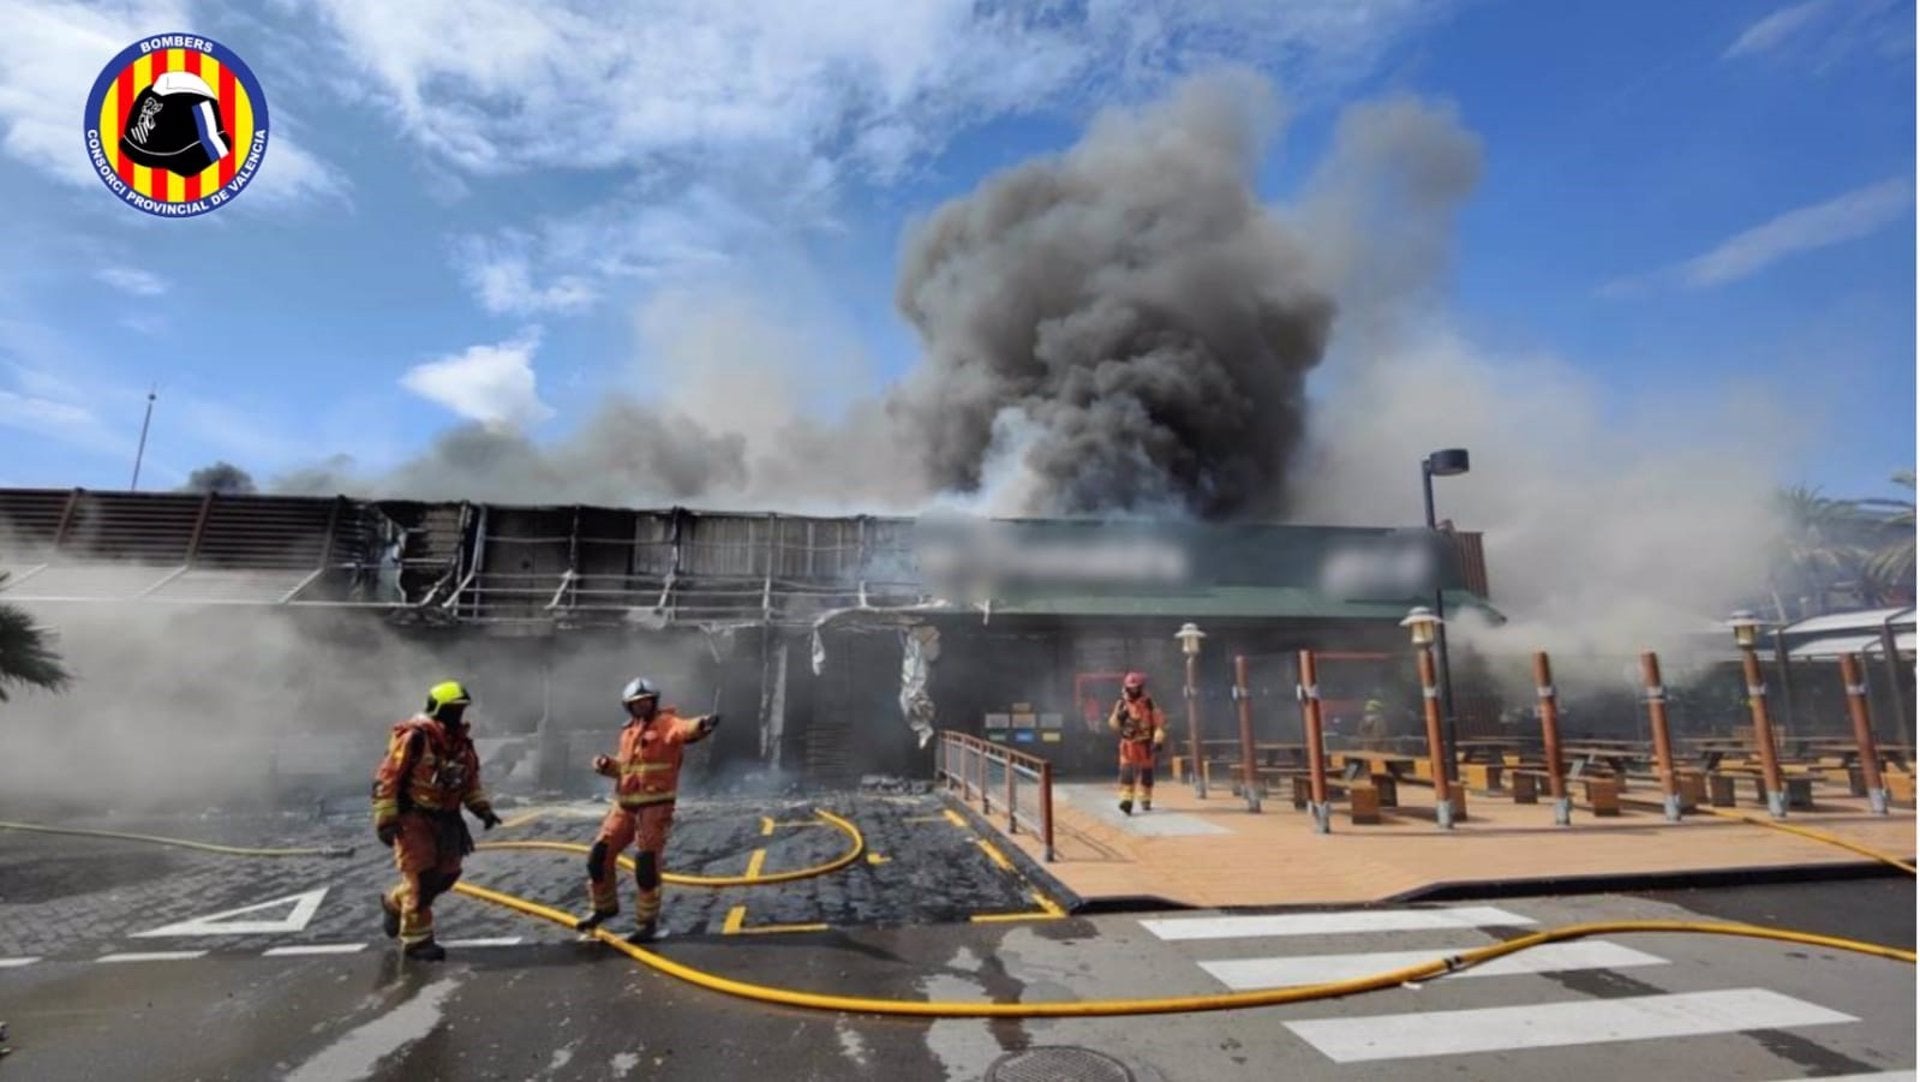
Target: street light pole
1447, 463
1190, 636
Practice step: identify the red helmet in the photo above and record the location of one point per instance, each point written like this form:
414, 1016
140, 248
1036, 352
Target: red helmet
1134, 680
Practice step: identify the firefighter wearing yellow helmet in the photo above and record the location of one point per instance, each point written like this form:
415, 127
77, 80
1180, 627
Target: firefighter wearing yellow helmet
431, 770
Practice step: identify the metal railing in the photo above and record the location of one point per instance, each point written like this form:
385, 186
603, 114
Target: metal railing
1021, 784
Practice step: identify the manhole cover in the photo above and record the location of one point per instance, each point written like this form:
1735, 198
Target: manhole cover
1058, 1064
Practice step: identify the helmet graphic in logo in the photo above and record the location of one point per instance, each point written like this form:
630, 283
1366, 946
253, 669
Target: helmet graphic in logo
175, 124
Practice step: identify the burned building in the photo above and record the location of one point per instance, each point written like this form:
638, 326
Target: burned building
832, 645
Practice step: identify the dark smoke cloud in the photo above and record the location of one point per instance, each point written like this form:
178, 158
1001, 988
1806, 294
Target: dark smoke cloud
626, 452
1123, 328
1127, 316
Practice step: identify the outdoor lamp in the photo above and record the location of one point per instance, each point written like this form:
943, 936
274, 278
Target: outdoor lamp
1421, 622
1746, 629
1190, 636
1448, 463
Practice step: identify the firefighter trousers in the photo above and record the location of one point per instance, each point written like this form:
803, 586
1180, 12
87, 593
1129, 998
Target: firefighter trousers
1136, 781
428, 853
646, 828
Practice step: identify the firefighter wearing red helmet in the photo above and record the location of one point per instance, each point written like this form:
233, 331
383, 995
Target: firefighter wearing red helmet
1143, 728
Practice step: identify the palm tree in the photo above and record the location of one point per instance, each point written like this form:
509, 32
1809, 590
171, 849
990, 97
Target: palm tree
1890, 569
1818, 549
26, 656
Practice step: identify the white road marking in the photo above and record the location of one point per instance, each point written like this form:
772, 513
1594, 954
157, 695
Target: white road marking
1555, 1025
1242, 973
222, 923
1883, 1076
1339, 923
16, 963
499, 941
316, 948
151, 956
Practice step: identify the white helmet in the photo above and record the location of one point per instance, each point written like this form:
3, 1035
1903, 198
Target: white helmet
639, 688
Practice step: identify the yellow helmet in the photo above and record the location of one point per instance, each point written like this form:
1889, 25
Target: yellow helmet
445, 694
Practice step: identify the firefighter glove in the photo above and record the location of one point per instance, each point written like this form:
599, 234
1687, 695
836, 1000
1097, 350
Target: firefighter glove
602, 764
387, 831
710, 722
488, 819
1159, 737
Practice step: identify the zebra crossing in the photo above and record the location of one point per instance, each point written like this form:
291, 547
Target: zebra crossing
1243, 952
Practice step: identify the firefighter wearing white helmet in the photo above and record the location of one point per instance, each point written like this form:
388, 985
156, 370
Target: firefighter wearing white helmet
647, 781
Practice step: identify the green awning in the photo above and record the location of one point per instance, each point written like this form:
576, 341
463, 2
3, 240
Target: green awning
1231, 602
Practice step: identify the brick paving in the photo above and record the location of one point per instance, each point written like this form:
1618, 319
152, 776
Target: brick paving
83, 897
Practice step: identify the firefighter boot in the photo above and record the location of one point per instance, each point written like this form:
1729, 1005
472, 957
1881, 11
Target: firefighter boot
389, 917
1146, 804
593, 920
1126, 806
648, 933
426, 951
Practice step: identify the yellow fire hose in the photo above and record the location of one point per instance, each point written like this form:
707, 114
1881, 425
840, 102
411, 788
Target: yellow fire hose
858, 846
229, 850
1791, 828
1266, 997
1225, 1001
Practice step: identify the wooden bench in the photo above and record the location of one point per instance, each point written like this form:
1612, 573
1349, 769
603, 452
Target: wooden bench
1721, 783
1363, 797
1484, 777
1899, 788
1602, 793
1690, 786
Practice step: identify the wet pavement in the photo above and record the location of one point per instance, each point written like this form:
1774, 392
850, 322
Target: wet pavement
523, 999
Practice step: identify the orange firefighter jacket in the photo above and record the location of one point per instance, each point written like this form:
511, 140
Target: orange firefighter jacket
648, 766
429, 769
1142, 726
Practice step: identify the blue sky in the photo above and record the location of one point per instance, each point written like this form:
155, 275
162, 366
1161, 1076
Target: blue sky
470, 211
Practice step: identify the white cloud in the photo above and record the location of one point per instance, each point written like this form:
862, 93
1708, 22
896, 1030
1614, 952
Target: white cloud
132, 280
496, 84
1855, 214
1824, 32
737, 121
500, 273
492, 384
50, 54
1775, 29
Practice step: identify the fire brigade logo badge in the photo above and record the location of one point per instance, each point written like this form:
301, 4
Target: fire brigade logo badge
176, 125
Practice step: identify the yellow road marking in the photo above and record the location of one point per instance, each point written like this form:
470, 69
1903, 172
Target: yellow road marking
993, 851
766, 825
954, 818
926, 819
754, 862
773, 929
735, 918
522, 820
875, 858
1049, 910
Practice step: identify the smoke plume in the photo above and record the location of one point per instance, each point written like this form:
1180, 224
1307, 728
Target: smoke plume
1125, 326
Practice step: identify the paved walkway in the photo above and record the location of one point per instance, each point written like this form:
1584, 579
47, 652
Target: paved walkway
1215, 853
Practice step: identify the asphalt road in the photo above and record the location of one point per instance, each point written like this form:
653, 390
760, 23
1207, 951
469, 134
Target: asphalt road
1714, 1009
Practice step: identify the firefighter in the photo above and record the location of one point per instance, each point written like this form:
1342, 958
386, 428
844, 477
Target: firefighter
1373, 724
1142, 728
431, 769
647, 770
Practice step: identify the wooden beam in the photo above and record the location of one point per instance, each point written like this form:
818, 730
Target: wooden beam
67, 515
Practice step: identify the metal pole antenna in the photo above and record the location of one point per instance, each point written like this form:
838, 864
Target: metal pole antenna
152, 393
